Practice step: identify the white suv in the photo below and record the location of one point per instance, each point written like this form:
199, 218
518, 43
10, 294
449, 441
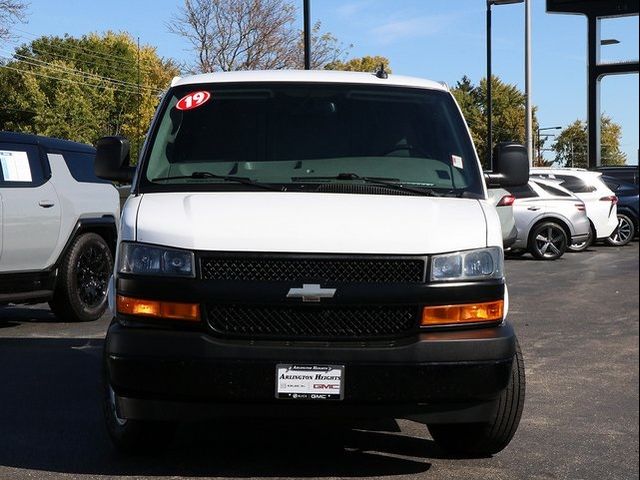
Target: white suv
599, 200
58, 226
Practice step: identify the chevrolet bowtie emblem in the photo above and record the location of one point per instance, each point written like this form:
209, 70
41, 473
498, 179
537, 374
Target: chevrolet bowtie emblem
311, 292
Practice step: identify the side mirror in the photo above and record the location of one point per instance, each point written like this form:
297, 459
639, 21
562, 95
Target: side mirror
112, 159
510, 165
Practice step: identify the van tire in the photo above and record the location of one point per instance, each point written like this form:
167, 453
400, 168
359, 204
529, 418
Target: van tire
485, 439
81, 287
134, 437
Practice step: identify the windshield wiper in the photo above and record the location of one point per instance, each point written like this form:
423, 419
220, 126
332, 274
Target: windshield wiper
226, 178
387, 182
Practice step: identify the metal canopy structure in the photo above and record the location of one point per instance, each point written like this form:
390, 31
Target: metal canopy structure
595, 10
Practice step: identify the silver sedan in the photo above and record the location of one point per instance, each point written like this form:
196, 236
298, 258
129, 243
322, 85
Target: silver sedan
548, 219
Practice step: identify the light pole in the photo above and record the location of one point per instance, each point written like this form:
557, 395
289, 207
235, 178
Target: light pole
540, 129
528, 119
307, 34
489, 100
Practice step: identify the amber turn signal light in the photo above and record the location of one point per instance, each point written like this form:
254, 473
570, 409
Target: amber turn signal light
467, 313
189, 312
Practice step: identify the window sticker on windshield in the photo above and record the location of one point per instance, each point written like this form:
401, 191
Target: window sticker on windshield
193, 100
15, 166
457, 161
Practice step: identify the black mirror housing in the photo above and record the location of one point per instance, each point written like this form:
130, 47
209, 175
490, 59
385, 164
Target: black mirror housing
510, 165
113, 159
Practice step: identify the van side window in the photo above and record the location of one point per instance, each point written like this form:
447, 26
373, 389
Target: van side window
522, 191
20, 165
80, 165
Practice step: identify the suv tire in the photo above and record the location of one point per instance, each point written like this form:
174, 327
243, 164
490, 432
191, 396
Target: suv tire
484, 439
547, 241
624, 232
582, 246
81, 286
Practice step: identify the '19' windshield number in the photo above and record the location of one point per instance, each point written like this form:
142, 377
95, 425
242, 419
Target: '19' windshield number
193, 100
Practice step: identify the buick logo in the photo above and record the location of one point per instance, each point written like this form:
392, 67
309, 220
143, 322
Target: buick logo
311, 292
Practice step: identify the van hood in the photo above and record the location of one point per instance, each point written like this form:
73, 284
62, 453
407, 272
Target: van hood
311, 222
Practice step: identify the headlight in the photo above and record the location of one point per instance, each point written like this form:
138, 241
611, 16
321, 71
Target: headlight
149, 260
484, 263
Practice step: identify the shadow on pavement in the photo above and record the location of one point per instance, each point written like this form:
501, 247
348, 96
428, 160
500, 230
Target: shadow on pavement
13, 315
51, 420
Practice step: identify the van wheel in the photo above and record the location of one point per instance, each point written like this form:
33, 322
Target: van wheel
81, 286
134, 437
623, 233
547, 241
484, 439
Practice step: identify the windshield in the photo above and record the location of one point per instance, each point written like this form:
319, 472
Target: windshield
300, 137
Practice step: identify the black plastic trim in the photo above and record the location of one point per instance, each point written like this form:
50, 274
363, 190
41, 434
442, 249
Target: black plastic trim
87, 224
26, 286
151, 409
260, 293
432, 372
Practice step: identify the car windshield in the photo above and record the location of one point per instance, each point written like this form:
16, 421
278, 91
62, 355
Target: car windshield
301, 137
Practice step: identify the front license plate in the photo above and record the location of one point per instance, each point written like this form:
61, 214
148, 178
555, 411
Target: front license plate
310, 382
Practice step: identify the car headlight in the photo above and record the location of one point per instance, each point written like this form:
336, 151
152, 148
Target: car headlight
480, 264
144, 259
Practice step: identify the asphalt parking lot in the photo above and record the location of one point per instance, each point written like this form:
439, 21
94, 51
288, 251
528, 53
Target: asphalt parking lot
577, 320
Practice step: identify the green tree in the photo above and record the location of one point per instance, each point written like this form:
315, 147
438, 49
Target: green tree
360, 64
508, 113
84, 88
571, 145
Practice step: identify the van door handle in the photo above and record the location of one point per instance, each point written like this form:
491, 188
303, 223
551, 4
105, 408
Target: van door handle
533, 209
46, 203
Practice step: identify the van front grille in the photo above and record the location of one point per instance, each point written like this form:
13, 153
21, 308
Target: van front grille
310, 269
312, 322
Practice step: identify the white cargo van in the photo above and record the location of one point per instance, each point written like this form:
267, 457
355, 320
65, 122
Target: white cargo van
303, 244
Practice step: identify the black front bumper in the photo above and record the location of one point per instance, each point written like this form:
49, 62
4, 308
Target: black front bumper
443, 376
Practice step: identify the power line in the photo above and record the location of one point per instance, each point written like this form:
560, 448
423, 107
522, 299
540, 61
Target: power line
79, 49
66, 80
43, 53
77, 77
73, 71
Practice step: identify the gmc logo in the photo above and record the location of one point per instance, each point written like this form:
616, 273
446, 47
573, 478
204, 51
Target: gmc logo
325, 386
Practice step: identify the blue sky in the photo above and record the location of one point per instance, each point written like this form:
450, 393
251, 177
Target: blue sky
437, 39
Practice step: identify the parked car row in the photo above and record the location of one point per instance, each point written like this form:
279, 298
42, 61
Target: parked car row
564, 209
259, 263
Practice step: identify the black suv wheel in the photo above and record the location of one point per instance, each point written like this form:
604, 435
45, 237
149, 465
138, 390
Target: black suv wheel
81, 286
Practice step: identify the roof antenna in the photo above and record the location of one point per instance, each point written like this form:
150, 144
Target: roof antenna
380, 73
